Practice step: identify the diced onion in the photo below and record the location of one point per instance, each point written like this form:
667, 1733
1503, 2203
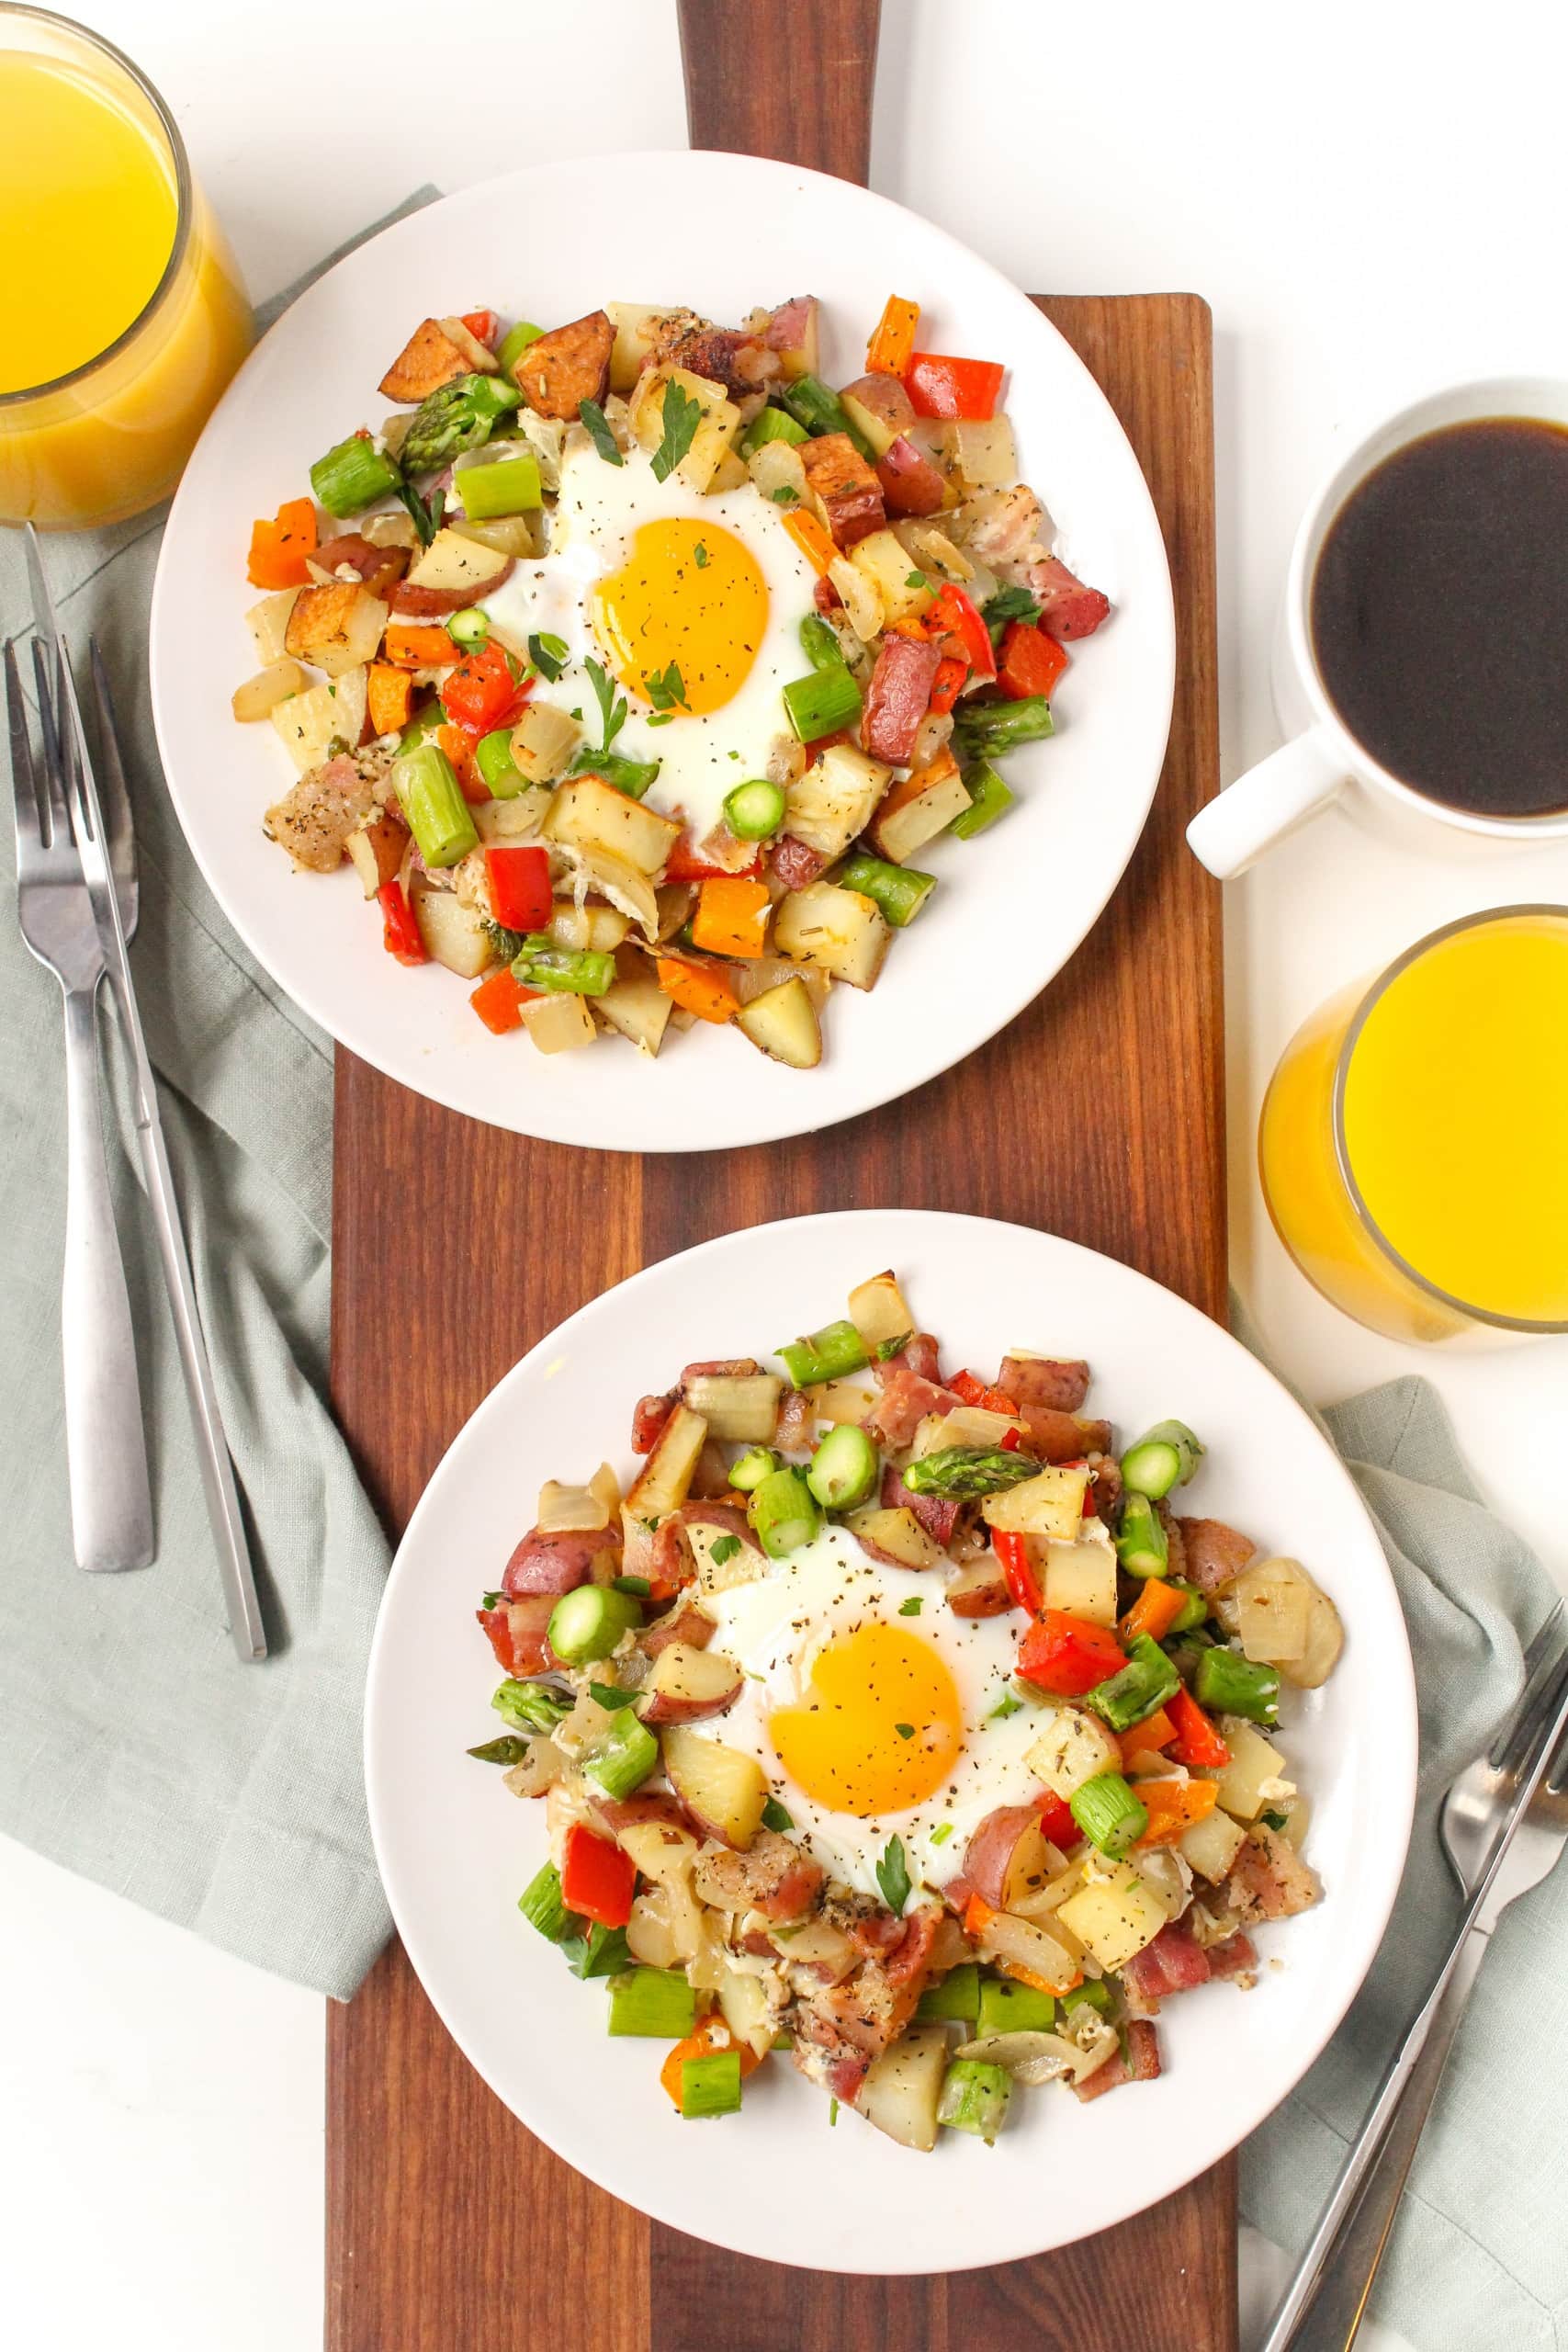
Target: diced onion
571, 1510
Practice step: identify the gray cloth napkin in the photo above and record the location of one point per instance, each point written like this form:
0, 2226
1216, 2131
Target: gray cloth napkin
1479, 2258
135, 1748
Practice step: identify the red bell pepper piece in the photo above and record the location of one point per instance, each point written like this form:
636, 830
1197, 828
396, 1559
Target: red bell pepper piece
1067, 1656
1031, 663
975, 1392
948, 683
482, 691
1057, 1820
941, 386
1197, 1744
954, 615
483, 325
1011, 1441
400, 933
597, 1879
824, 596
499, 1001
519, 879
1012, 1556
686, 866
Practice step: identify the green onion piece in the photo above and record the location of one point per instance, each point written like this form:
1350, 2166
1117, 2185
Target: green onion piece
586, 1625
1234, 1686
630, 776
989, 799
1163, 1457
1009, 2008
985, 731
508, 1750
654, 2003
710, 2085
783, 1511
514, 343
974, 2097
831, 1354
1108, 1813
1094, 1994
1146, 1682
817, 407
1194, 1607
438, 815
968, 1470
772, 424
565, 971
623, 1758
897, 891
754, 812
469, 628
956, 1999
540, 1903
506, 486
531, 1706
844, 1469
753, 1467
1141, 1542
353, 475
822, 703
500, 770
820, 643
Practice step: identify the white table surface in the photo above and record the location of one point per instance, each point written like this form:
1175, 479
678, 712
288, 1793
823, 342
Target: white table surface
1371, 202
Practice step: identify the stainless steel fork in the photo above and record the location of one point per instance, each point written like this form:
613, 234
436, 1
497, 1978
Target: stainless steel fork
111, 1506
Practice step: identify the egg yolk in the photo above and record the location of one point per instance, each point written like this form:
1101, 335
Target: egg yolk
881, 1728
686, 611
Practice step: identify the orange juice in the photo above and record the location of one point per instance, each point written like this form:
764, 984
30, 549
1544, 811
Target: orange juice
124, 317
1414, 1144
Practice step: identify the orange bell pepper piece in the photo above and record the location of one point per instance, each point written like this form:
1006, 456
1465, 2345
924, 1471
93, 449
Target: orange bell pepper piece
731, 917
418, 645
707, 994
1197, 1745
390, 693
1148, 1738
977, 1914
811, 540
499, 1001
712, 2034
279, 548
1173, 1806
1154, 1611
892, 346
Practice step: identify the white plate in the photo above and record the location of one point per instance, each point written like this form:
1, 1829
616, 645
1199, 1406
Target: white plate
722, 233
455, 1849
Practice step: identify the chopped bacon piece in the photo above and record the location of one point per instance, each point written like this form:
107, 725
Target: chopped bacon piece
1269, 1879
919, 1353
516, 1632
1107, 1492
722, 355
723, 1368
1054, 1385
1235, 1957
673, 1562
648, 1421
824, 595
871, 2008
1216, 1554
905, 1402
938, 1514
688, 1623
824, 2054
796, 865
795, 1415
897, 697
1174, 1962
1067, 610
774, 1877
1141, 2064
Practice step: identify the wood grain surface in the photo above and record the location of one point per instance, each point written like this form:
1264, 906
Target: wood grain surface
1097, 1114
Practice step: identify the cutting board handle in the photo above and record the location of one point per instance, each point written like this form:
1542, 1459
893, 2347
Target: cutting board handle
792, 79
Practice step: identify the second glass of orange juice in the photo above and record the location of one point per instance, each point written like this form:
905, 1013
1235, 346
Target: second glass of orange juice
1414, 1143
124, 315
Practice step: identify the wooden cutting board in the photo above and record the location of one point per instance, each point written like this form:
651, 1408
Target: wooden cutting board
1097, 1114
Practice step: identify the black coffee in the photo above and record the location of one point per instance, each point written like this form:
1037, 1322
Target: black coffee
1440, 616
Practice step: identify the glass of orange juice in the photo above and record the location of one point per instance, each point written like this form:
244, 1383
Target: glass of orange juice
124, 315
1414, 1143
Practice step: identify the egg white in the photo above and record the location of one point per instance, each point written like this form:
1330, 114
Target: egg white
775, 1627
702, 755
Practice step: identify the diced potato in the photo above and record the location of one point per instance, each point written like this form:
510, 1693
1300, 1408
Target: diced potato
880, 1312
880, 408
337, 626
1254, 1759
558, 1025
665, 1479
1211, 1844
589, 814
985, 455
918, 806
517, 819
835, 799
633, 323
760, 973
599, 928
1051, 1503
729, 474
429, 359
634, 1005
900, 2095
741, 1408
716, 429
837, 930
896, 1532
1081, 1578
884, 563
307, 724
1073, 1748
351, 692
456, 565
722, 1788
744, 2004
688, 1684
375, 851
735, 1567
781, 1023
862, 598
454, 934
260, 695
1113, 1919
269, 623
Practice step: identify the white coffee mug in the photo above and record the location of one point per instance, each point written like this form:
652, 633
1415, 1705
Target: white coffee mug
1321, 760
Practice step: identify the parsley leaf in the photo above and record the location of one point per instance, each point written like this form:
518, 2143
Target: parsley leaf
601, 1952
666, 689
611, 707
609, 1697
785, 494
1007, 1705
682, 415
599, 431
660, 719
548, 655
893, 1875
942, 1833
492, 1600
774, 1815
725, 1549
905, 1730
700, 556
1274, 1820
917, 580
426, 519
911, 1608
1008, 603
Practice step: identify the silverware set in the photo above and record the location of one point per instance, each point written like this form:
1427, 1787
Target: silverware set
76, 903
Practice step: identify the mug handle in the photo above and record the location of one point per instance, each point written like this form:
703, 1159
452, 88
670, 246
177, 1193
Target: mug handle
1269, 801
